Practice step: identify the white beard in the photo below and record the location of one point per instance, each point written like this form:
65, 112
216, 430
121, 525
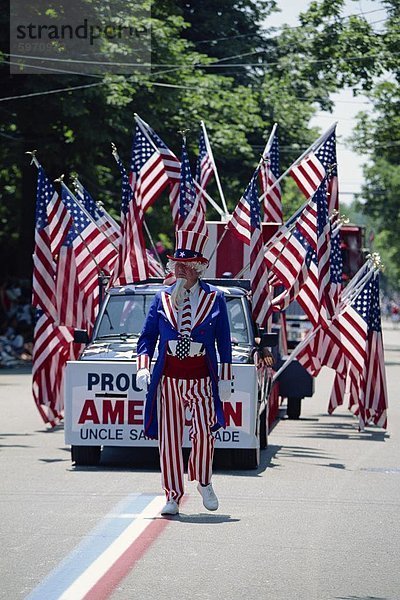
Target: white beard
178, 292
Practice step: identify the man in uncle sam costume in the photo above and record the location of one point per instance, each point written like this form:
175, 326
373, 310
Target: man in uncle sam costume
189, 320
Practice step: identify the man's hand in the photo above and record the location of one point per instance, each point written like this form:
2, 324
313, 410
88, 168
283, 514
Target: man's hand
143, 379
224, 389
267, 357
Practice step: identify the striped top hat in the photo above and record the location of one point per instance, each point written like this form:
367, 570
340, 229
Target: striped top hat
189, 246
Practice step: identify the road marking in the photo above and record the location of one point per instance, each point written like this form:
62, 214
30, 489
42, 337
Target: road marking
107, 553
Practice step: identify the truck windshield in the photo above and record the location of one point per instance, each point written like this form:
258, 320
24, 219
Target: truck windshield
125, 315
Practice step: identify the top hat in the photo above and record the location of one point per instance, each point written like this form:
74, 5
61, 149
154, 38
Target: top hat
189, 247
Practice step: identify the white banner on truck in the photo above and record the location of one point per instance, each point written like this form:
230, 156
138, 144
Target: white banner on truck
103, 407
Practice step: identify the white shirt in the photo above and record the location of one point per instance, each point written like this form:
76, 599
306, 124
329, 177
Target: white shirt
194, 301
194, 291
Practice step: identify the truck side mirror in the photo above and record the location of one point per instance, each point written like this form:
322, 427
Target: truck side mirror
81, 336
268, 340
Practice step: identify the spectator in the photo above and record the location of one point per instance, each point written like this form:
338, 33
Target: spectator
395, 314
16, 319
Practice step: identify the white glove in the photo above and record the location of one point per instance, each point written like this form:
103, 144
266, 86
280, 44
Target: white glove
225, 389
143, 379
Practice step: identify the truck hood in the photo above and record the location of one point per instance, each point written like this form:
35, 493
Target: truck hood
110, 350
121, 350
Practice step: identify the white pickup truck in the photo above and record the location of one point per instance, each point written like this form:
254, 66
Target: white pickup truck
104, 406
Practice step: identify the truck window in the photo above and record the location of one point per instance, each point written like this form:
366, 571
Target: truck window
237, 320
124, 314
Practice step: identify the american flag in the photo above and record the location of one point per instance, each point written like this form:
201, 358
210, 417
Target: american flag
367, 390
336, 270
171, 164
103, 220
311, 171
308, 296
301, 261
52, 222
148, 176
191, 212
346, 383
282, 300
337, 393
246, 224
344, 344
51, 350
374, 391
324, 253
132, 262
323, 350
204, 167
326, 346
72, 309
350, 327
155, 268
92, 253
269, 173
287, 254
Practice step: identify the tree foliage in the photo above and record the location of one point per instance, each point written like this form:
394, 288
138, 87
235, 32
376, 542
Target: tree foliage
378, 135
219, 62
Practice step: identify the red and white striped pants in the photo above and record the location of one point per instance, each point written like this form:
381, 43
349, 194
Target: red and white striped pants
176, 395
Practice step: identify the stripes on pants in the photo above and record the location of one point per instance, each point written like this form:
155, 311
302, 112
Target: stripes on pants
176, 395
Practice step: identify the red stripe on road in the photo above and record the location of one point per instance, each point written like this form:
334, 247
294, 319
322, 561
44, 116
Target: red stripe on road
120, 569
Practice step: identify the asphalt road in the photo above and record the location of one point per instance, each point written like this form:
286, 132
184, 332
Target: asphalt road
318, 520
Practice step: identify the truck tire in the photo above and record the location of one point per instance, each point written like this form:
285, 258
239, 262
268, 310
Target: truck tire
263, 435
86, 456
246, 458
293, 410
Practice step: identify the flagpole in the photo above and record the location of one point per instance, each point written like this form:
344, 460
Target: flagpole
210, 152
211, 201
142, 124
355, 292
311, 148
268, 145
357, 279
34, 160
156, 255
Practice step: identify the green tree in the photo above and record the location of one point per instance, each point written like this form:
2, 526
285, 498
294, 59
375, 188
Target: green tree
285, 77
378, 134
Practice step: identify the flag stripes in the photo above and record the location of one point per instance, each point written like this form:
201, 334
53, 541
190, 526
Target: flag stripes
308, 174
269, 173
246, 225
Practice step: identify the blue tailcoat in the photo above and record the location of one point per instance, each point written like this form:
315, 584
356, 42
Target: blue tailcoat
210, 327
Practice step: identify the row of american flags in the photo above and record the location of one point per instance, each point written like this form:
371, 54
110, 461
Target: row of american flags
77, 241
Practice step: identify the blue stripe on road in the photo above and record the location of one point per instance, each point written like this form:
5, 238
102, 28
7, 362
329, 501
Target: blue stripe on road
91, 547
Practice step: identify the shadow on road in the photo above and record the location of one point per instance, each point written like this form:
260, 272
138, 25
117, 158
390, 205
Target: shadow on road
14, 435
266, 462
343, 431
303, 452
204, 519
147, 460
361, 598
